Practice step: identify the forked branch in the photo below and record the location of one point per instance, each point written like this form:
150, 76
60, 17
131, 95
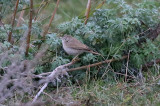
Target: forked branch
54, 75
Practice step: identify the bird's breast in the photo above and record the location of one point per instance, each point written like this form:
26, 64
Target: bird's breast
72, 51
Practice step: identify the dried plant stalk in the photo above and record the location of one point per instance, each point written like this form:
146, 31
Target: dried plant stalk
48, 26
127, 67
29, 28
41, 5
54, 12
59, 71
86, 66
87, 11
96, 64
14, 15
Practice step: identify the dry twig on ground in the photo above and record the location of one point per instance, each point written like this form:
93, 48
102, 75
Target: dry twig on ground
54, 75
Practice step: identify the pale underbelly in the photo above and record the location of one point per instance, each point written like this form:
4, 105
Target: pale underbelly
71, 51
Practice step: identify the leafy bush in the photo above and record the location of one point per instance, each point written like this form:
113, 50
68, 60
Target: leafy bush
115, 31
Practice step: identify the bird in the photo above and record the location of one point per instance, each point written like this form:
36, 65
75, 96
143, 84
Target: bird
74, 47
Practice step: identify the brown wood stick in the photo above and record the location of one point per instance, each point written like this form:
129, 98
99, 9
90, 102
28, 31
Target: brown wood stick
13, 20
96, 64
127, 67
41, 5
48, 26
87, 11
29, 28
54, 12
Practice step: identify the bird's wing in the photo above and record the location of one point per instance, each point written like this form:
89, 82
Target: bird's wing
76, 44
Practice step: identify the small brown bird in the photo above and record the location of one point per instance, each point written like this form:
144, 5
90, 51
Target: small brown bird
74, 47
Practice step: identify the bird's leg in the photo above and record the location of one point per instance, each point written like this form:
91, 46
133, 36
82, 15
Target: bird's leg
74, 59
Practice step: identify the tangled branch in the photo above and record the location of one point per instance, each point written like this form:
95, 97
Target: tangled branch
54, 75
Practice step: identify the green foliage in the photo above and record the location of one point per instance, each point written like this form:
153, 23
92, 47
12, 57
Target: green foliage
7, 6
59, 61
53, 41
118, 28
112, 31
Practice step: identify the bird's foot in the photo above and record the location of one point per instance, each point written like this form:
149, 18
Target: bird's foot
75, 59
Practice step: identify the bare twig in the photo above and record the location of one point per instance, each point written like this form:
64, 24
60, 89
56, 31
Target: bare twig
54, 12
59, 71
41, 5
96, 64
13, 19
127, 67
125, 75
100, 5
42, 89
91, 65
87, 11
48, 26
29, 27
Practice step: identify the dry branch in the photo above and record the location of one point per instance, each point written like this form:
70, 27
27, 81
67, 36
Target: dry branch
127, 67
91, 65
96, 64
45, 31
41, 5
13, 19
54, 12
59, 71
29, 27
100, 5
87, 11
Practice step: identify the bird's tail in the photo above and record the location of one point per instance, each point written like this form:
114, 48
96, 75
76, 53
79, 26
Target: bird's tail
94, 52
97, 54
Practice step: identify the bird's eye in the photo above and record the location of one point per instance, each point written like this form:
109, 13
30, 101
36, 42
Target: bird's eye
66, 39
